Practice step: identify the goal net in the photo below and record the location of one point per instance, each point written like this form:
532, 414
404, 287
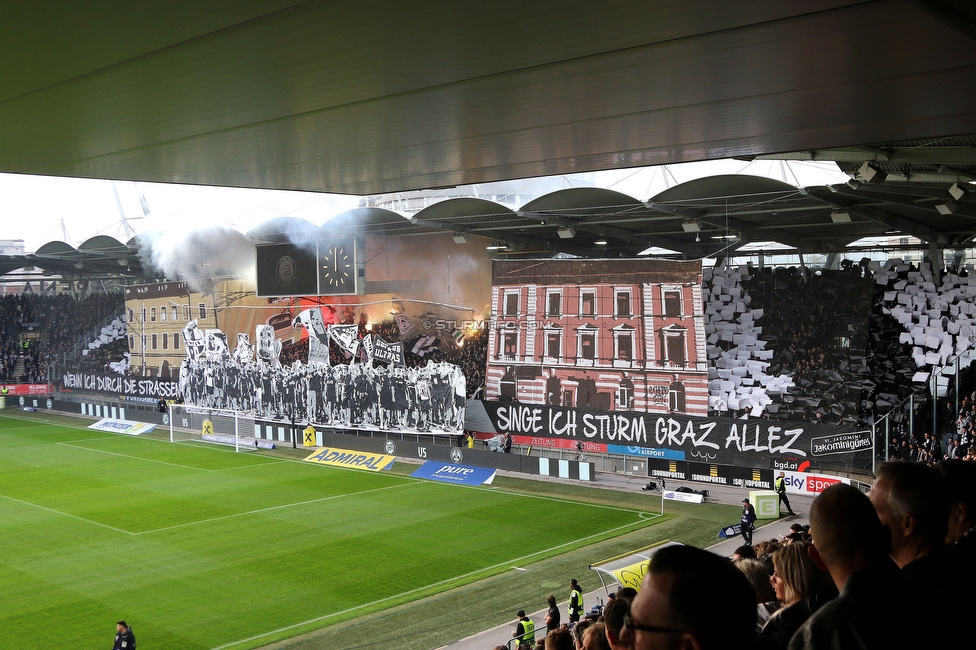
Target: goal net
234, 428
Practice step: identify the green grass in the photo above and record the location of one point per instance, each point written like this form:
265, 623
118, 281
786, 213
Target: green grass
200, 547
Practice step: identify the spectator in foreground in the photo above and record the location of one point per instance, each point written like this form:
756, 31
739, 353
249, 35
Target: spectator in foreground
799, 586
691, 598
766, 604
912, 500
595, 637
960, 478
560, 639
743, 552
613, 618
852, 545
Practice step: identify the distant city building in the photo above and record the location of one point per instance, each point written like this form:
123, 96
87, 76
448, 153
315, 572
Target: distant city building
11, 246
601, 334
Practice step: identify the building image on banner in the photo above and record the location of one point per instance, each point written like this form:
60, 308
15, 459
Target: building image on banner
607, 335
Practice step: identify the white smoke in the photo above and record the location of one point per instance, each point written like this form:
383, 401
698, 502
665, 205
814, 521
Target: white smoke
195, 256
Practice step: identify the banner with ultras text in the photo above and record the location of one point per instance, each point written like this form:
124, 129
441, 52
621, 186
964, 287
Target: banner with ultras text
351, 459
672, 436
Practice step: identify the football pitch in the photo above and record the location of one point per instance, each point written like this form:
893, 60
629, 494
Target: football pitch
197, 546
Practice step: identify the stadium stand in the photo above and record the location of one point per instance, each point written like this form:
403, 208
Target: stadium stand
57, 325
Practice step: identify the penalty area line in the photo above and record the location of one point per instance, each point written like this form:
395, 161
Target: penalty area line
272, 508
65, 514
510, 563
148, 460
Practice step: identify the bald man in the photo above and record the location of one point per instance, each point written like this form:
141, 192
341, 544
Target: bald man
852, 545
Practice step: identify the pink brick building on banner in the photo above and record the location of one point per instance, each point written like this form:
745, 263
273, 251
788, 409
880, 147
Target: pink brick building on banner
623, 334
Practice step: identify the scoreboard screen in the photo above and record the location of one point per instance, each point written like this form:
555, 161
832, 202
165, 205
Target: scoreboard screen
286, 270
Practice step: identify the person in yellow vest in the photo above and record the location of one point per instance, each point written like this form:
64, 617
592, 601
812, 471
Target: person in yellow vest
470, 440
575, 601
780, 486
308, 439
524, 631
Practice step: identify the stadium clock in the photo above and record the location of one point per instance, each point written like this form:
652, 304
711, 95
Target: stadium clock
336, 270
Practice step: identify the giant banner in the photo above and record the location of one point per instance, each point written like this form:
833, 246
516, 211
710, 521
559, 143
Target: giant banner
748, 443
353, 395
599, 334
146, 387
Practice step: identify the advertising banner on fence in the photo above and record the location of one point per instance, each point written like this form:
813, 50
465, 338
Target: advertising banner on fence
745, 443
681, 470
460, 474
120, 385
351, 459
687, 497
810, 484
122, 426
28, 389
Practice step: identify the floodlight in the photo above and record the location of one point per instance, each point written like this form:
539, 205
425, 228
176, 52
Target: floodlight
690, 225
840, 216
956, 192
459, 238
566, 232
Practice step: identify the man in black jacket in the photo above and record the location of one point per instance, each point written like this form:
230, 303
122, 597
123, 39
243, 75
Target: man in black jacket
748, 521
124, 638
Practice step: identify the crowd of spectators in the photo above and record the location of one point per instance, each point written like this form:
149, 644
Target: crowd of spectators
43, 330
856, 578
471, 354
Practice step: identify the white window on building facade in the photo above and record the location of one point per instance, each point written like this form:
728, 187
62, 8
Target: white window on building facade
588, 303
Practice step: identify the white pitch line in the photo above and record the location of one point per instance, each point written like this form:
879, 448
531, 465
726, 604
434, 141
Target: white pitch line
270, 508
65, 514
148, 460
325, 617
557, 499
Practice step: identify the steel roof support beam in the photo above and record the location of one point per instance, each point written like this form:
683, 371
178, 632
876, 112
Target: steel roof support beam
556, 245
880, 216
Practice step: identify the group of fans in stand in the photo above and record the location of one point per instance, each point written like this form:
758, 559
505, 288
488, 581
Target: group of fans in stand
42, 328
857, 578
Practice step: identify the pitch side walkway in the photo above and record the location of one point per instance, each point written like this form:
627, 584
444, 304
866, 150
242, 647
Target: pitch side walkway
502, 634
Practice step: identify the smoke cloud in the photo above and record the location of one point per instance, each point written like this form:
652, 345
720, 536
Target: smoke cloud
195, 256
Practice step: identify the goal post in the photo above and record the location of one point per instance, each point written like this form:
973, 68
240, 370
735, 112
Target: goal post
225, 427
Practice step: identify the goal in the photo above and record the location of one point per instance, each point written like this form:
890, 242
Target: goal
223, 427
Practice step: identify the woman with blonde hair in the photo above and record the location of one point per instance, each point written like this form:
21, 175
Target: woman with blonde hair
801, 586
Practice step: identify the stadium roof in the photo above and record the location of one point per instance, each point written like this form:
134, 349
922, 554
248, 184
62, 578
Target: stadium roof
703, 217
363, 98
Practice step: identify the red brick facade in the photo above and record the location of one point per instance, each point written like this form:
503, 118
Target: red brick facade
601, 334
